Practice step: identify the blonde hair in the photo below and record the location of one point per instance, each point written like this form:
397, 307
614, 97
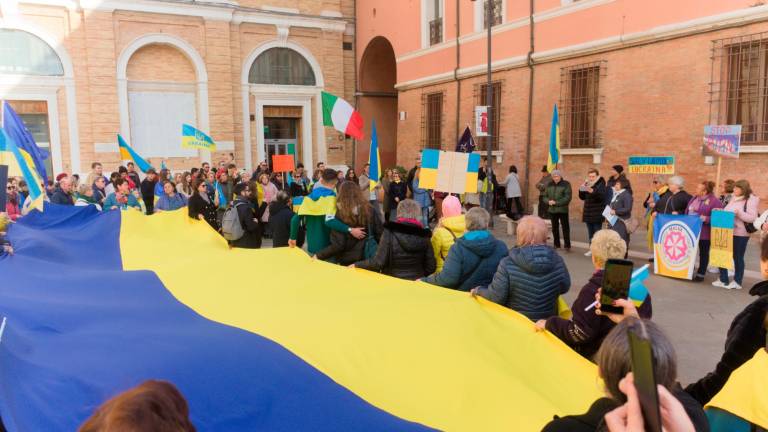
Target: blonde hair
607, 244
408, 209
531, 230
84, 188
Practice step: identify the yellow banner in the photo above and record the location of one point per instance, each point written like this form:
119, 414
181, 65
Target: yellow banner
721, 252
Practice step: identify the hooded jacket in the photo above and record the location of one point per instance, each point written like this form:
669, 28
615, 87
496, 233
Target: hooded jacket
529, 281
594, 202
586, 330
280, 215
450, 229
471, 262
251, 238
405, 252
745, 337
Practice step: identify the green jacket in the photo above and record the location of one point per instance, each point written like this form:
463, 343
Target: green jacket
561, 194
318, 230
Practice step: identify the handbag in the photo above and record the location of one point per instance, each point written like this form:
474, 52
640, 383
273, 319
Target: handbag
750, 227
631, 225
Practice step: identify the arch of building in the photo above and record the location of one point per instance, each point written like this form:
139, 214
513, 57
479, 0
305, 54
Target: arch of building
378, 99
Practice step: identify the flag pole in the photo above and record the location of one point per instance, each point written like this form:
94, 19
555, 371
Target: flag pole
719, 170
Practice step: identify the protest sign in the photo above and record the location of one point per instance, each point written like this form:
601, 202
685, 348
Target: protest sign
652, 165
675, 244
722, 140
282, 163
481, 121
453, 172
721, 250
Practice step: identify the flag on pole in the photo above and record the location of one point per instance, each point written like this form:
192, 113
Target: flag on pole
16, 129
466, 143
20, 164
554, 142
292, 152
339, 114
127, 153
193, 138
374, 160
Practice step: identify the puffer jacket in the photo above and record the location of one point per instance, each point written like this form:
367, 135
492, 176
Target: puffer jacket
586, 330
594, 203
346, 249
529, 281
561, 194
745, 337
471, 262
280, 216
404, 252
445, 235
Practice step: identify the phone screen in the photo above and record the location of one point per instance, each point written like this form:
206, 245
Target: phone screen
616, 280
645, 380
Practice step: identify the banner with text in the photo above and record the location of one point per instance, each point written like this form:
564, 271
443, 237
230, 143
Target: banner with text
652, 165
722, 140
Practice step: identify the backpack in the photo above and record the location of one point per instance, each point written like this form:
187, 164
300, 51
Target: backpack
231, 228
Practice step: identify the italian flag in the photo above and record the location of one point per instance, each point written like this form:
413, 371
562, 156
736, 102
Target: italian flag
339, 113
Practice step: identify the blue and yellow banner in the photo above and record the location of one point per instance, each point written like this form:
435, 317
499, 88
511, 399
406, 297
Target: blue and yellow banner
127, 153
311, 346
675, 244
21, 164
374, 160
193, 138
744, 398
320, 202
553, 153
453, 172
721, 251
651, 165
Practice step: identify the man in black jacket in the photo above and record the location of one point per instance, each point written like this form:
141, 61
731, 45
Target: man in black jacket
251, 238
592, 192
412, 175
148, 190
63, 193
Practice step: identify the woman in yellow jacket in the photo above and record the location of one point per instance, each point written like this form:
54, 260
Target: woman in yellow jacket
450, 227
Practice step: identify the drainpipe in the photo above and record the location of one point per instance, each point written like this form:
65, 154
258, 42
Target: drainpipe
456, 70
357, 97
530, 107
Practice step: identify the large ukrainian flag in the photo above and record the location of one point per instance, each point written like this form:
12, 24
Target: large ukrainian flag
95, 303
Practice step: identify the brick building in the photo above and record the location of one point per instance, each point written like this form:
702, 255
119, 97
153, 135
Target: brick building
630, 77
81, 71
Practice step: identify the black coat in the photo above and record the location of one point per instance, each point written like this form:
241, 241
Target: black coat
669, 203
405, 252
398, 190
280, 216
62, 198
609, 187
251, 238
593, 419
197, 206
594, 203
346, 249
147, 189
745, 337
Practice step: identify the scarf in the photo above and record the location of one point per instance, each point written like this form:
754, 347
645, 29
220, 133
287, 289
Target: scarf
616, 195
86, 198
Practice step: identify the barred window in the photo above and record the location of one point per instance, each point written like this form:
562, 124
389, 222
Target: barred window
494, 113
281, 66
739, 87
433, 120
498, 13
580, 104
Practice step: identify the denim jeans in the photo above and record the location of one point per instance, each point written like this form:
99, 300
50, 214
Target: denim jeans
592, 228
739, 249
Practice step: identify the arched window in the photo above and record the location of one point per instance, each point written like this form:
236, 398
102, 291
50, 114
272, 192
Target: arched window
282, 66
23, 53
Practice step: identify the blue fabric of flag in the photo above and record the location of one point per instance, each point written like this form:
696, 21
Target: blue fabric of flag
466, 143
16, 129
374, 159
79, 330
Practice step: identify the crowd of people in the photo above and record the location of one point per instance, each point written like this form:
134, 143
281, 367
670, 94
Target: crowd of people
388, 228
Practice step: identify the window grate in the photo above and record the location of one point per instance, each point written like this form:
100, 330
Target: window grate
481, 95
432, 120
580, 105
739, 85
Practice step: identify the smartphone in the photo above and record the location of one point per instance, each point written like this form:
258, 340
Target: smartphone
644, 371
616, 280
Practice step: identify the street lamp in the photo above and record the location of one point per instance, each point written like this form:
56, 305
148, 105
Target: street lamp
489, 104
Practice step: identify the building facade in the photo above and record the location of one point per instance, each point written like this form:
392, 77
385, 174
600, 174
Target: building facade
630, 77
247, 72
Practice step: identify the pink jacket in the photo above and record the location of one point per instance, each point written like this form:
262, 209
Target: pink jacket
737, 206
13, 211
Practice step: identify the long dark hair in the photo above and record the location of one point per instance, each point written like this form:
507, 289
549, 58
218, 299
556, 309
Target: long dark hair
352, 206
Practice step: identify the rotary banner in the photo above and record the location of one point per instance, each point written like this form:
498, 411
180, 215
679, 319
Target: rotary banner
675, 244
721, 253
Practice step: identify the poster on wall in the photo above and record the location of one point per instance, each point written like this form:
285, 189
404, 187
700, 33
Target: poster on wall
651, 165
721, 251
452, 172
481, 121
675, 244
722, 140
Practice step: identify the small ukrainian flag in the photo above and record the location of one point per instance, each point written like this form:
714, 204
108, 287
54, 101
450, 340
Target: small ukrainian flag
193, 138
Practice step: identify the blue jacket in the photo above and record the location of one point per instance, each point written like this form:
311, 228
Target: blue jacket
471, 262
529, 281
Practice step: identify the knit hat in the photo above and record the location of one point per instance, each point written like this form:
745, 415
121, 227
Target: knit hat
61, 176
618, 168
557, 172
451, 206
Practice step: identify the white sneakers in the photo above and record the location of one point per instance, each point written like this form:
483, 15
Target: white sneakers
589, 253
730, 286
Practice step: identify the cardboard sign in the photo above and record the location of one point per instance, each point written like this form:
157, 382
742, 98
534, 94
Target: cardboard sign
282, 163
721, 252
675, 244
481, 121
651, 165
453, 172
722, 140
3, 186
